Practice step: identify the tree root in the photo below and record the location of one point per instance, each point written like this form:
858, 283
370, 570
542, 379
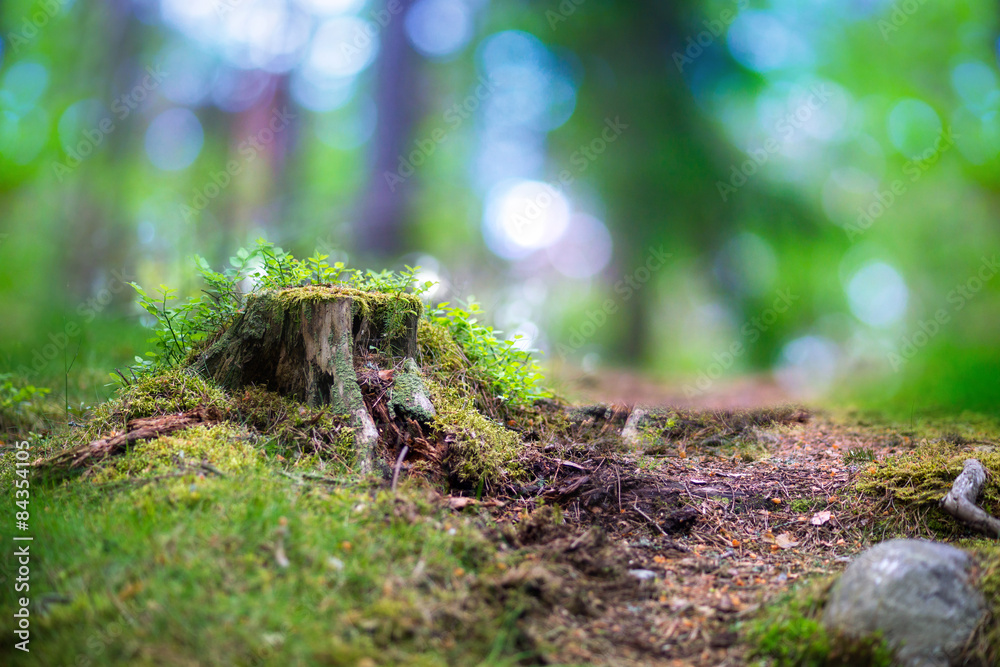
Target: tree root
146, 428
961, 499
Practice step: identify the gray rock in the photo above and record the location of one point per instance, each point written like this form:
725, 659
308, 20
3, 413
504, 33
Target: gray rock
917, 592
632, 431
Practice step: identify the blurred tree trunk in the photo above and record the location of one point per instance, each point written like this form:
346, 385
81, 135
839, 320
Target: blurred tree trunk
667, 136
384, 207
94, 209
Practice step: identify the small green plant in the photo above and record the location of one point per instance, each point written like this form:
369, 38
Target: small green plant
859, 455
507, 371
22, 406
187, 326
14, 397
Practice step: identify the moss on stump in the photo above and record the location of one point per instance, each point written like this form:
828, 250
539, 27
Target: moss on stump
301, 342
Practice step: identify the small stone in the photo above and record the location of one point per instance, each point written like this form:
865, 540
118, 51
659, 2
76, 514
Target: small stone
643, 575
632, 431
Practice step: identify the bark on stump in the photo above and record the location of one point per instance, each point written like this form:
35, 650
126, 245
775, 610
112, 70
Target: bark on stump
301, 342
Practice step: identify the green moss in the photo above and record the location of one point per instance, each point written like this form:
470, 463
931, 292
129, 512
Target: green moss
986, 646
790, 633
225, 447
438, 350
291, 428
923, 477
165, 393
483, 450
407, 386
391, 312
343, 367
804, 505
164, 573
965, 427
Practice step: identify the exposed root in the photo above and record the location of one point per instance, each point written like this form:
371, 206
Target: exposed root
961, 499
146, 428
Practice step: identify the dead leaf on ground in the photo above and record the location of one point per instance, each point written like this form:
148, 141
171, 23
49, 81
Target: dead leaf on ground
785, 541
819, 518
458, 502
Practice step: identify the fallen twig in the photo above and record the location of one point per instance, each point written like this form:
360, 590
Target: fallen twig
399, 464
961, 499
670, 543
649, 519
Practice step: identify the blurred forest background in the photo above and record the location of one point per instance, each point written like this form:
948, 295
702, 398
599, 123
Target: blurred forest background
700, 190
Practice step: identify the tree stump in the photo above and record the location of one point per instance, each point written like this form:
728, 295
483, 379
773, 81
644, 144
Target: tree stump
302, 341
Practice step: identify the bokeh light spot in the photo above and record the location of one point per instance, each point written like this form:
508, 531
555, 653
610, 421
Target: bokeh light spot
22, 85
174, 139
439, 28
914, 127
342, 47
761, 41
877, 294
523, 217
583, 250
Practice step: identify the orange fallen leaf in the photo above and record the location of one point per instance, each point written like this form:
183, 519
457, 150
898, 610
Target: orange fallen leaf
386, 375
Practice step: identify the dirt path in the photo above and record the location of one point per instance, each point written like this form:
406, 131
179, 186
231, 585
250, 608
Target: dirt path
702, 531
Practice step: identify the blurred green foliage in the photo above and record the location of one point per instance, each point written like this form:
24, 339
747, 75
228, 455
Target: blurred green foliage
844, 153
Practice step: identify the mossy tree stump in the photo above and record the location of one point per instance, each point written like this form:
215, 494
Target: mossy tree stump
302, 341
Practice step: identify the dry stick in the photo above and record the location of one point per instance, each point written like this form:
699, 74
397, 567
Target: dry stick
961, 499
619, 478
399, 464
670, 543
649, 519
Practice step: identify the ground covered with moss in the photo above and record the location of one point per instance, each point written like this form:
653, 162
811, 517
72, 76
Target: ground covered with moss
517, 534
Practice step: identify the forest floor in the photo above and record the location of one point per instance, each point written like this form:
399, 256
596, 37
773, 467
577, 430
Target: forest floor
664, 554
